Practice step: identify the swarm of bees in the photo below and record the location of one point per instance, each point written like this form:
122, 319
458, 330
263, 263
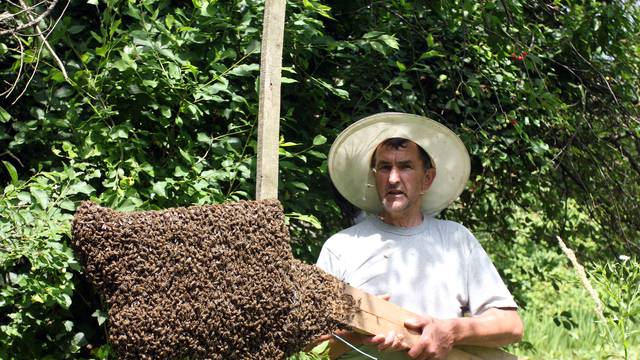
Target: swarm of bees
205, 282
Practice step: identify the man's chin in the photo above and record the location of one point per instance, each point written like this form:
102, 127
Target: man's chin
394, 207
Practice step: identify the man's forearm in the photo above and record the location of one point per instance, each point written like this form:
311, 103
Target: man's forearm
494, 328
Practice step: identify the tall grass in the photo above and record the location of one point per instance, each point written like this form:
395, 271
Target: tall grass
568, 326
571, 334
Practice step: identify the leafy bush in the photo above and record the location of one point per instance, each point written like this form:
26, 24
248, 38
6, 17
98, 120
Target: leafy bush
618, 284
160, 110
40, 312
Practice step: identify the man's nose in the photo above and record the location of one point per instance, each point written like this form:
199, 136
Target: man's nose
394, 175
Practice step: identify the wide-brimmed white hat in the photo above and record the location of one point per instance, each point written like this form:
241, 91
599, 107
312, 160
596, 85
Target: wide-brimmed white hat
351, 152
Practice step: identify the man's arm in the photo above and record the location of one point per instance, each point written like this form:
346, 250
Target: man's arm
494, 328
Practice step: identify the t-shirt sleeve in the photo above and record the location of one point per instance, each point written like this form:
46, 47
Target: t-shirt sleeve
329, 261
484, 285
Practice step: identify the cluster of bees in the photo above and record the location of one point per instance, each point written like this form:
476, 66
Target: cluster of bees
205, 282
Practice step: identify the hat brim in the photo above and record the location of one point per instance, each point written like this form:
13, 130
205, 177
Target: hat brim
351, 152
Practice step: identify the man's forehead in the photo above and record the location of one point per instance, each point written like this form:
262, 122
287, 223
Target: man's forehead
405, 144
396, 141
406, 153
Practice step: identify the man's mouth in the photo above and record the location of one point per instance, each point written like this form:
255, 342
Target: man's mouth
395, 192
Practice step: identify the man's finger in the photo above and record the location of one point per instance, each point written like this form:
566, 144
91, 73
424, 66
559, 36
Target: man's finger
374, 340
399, 344
416, 352
416, 324
388, 341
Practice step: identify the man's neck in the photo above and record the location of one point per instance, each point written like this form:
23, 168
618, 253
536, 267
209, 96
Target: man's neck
402, 220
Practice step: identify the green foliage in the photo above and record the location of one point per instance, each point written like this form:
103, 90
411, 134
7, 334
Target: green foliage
574, 334
618, 284
37, 268
160, 110
566, 325
319, 352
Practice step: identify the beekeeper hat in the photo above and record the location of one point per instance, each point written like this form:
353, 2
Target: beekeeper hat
351, 153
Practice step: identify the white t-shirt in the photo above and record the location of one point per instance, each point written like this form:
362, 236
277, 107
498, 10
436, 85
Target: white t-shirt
437, 268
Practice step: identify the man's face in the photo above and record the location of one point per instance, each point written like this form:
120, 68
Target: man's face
401, 179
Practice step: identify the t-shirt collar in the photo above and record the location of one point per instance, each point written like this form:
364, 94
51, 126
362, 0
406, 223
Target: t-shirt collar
399, 230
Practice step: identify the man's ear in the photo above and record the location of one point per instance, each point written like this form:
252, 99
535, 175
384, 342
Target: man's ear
429, 176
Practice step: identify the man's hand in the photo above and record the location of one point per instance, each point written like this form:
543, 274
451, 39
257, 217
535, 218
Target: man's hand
386, 342
494, 328
436, 340
389, 342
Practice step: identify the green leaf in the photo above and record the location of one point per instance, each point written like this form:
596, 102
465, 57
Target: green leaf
174, 71
67, 205
4, 115
63, 92
102, 50
160, 188
321, 348
165, 111
75, 29
100, 315
180, 172
430, 54
185, 155
300, 185
319, 140
79, 339
41, 196
203, 138
68, 325
372, 34
119, 132
390, 40
339, 92
244, 70
57, 75
378, 47
81, 187
13, 173
66, 301
430, 41
317, 154
150, 83
309, 219
69, 149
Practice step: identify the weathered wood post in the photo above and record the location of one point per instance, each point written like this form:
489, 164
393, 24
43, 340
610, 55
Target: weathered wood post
269, 105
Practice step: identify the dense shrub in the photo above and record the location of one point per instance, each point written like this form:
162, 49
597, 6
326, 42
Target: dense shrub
160, 110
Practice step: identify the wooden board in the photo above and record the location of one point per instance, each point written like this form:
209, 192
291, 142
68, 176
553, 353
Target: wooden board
377, 316
269, 103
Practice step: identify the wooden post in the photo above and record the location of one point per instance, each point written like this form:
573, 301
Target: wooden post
269, 105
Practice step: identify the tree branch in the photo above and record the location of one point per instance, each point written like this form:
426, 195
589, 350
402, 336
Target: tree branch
32, 21
44, 39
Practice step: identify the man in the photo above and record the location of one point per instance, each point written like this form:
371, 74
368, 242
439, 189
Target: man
405, 169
